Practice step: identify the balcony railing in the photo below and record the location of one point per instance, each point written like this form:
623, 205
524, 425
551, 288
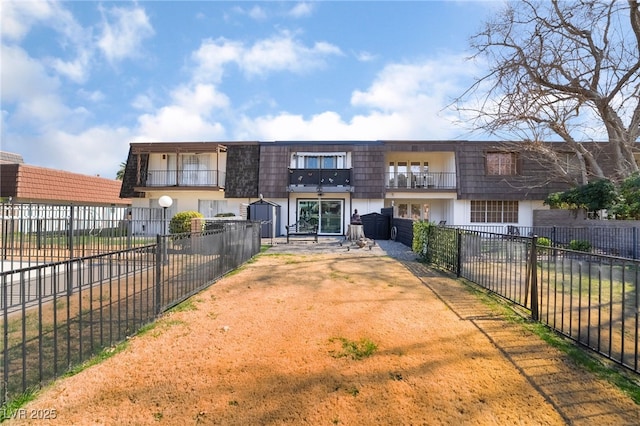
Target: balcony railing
324, 177
186, 178
428, 180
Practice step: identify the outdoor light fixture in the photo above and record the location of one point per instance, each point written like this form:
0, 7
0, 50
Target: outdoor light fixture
165, 201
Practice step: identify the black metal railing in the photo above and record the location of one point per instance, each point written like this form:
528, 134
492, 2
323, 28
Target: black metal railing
591, 298
58, 315
611, 240
34, 234
426, 180
320, 177
169, 178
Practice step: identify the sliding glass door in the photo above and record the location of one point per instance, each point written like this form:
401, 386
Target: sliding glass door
326, 213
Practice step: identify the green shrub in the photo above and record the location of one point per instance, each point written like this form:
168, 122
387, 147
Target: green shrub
421, 232
580, 245
544, 242
181, 222
541, 243
225, 215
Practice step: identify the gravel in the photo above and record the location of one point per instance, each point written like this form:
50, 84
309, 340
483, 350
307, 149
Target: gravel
338, 245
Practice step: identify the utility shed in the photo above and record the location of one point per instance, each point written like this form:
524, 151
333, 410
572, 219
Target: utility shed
268, 213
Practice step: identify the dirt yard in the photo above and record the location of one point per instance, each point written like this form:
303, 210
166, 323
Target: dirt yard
283, 340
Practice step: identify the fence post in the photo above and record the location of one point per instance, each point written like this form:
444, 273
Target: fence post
70, 260
70, 242
533, 268
159, 260
459, 252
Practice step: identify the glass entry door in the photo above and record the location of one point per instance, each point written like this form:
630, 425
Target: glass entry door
326, 213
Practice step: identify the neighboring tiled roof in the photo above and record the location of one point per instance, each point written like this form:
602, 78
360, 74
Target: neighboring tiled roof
38, 184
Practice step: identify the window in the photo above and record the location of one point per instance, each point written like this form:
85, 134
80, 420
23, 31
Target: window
494, 211
194, 169
570, 163
502, 163
403, 210
319, 160
311, 162
210, 208
327, 214
330, 162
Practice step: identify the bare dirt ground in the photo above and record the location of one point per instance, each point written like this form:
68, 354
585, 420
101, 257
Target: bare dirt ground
263, 346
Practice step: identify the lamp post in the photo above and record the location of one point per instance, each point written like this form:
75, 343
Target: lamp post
165, 202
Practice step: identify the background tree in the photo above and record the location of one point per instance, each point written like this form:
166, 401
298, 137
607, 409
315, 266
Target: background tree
628, 205
120, 173
562, 70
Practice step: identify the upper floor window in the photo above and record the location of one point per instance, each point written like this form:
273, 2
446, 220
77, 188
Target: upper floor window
502, 163
316, 160
569, 163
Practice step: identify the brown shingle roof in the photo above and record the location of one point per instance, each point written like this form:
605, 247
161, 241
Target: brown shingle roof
39, 184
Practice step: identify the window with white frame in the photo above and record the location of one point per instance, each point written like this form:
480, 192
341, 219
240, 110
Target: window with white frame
494, 211
319, 160
210, 208
194, 169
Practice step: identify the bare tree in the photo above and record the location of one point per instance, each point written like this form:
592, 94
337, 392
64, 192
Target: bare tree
562, 71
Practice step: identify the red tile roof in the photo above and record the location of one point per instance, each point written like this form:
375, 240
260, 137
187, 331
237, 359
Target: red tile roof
39, 184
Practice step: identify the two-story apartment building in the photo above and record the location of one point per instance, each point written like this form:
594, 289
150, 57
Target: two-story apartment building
460, 182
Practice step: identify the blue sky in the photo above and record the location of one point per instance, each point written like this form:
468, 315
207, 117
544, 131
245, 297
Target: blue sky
80, 80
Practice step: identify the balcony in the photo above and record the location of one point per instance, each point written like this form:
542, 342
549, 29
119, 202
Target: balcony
183, 178
326, 178
421, 181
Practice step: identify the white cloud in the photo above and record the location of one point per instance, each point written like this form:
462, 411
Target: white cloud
93, 96
257, 13
76, 70
212, 56
405, 101
142, 102
22, 76
30, 91
123, 31
365, 56
282, 52
202, 98
94, 151
301, 10
189, 117
402, 86
173, 123
17, 17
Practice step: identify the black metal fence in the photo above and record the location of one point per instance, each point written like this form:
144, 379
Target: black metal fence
591, 298
33, 234
59, 314
612, 240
